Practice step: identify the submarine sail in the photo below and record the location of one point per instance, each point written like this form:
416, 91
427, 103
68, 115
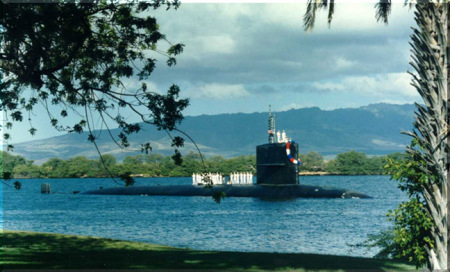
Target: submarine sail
275, 161
273, 166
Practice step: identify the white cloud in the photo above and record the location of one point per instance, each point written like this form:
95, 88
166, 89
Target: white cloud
215, 44
267, 42
294, 106
387, 143
220, 91
328, 86
402, 83
381, 85
395, 101
391, 86
342, 63
291, 106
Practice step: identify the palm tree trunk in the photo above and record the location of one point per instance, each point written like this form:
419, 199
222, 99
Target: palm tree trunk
429, 48
448, 142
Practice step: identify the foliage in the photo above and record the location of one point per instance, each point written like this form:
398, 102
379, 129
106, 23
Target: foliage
385, 241
350, 163
413, 224
218, 196
17, 185
79, 56
27, 171
312, 161
54, 168
409, 173
8, 162
410, 236
355, 163
152, 165
412, 231
126, 177
156, 165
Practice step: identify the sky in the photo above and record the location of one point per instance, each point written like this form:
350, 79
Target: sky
243, 57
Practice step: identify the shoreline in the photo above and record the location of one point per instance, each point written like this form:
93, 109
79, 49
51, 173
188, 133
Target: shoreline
306, 173
37, 250
319, 173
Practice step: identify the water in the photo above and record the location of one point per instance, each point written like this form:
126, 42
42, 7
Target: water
327, 226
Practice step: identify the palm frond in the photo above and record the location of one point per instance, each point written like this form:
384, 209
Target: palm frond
330, 12
322, 3
383, 9
311, 8
310, 15
409, 3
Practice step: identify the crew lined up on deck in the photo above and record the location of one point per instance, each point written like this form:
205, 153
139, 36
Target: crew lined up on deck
217, 179
241, 178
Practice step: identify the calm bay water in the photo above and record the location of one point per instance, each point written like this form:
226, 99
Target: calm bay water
327, 226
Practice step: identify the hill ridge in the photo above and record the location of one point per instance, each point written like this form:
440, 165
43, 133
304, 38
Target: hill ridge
374, 129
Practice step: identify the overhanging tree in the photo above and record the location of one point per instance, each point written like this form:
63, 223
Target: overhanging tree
429, 53
78, 55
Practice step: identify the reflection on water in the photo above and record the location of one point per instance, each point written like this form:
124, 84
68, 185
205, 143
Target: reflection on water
327, 226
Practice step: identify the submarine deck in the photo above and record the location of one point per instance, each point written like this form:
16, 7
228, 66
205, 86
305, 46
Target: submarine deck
260, 191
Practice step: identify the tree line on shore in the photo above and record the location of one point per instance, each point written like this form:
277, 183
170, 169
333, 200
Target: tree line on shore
157, 165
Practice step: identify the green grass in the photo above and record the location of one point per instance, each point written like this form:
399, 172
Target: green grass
25, 250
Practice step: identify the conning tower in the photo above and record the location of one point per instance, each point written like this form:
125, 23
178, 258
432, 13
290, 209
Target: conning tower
276, 162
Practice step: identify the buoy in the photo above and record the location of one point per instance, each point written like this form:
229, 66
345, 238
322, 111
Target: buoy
288, 153
45, 188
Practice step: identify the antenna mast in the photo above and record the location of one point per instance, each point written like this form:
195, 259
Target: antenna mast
271, 126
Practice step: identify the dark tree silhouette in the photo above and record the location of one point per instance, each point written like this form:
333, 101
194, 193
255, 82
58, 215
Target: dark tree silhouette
78, 55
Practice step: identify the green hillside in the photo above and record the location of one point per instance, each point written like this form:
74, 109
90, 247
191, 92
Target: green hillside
374, 129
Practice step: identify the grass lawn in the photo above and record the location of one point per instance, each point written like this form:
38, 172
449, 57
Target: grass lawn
25, 250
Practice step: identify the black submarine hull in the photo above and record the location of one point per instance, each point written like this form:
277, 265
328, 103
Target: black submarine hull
259, 191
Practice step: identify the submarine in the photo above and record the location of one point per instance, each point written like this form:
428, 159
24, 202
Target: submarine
277, 177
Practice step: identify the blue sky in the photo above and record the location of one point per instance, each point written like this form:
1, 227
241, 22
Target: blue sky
243, 57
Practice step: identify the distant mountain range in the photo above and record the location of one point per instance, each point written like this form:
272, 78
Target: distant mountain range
373, 129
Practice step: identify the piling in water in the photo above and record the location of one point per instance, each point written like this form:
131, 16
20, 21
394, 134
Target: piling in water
45, 188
